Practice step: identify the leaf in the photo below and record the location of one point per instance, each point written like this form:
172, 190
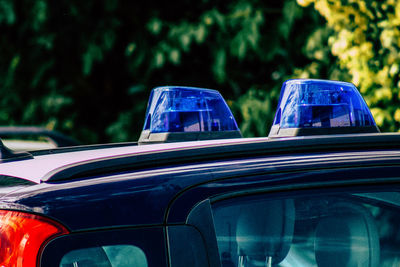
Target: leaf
219, 66
92, 54
7, 13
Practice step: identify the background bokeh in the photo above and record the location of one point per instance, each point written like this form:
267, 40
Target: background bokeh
86, 68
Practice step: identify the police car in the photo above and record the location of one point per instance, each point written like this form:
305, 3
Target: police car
322, 190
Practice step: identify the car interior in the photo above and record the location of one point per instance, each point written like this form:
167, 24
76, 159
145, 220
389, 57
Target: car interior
334, 230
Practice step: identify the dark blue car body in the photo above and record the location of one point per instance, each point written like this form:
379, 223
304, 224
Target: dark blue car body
166, 199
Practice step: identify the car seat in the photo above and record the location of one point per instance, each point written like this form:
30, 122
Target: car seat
264, 232
347, 236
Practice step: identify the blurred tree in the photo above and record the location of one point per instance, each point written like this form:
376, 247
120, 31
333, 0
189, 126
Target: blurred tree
242, 48
364, 38
86, 68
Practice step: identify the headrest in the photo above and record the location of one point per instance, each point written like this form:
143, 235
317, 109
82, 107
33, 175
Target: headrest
265, 230
347, 236
87, 257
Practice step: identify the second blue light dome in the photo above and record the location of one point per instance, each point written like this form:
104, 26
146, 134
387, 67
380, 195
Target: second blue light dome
321, 107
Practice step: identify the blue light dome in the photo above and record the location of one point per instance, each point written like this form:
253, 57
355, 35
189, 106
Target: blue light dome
309, 107
174, 110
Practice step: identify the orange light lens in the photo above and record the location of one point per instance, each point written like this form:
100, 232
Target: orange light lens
23, 235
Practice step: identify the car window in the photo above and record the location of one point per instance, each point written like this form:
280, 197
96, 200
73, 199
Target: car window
105, 256
313, 230
137, 247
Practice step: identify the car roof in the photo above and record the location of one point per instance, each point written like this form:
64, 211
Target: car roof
67, 164
49, 162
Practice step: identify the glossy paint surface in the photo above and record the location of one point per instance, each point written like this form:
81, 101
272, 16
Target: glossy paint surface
166, 195
41, 166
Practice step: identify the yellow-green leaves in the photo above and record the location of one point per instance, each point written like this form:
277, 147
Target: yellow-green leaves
365, 40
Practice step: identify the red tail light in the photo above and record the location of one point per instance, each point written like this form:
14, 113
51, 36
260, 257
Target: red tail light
23, 235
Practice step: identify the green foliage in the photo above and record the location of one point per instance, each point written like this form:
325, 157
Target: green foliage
7, 14
86, 67
365, 41
256, 111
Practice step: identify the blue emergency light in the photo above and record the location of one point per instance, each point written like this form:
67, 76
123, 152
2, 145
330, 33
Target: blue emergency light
318, 107
176, 113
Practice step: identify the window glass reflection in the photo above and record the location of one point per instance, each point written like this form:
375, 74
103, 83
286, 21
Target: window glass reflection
329, 230
105, 256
